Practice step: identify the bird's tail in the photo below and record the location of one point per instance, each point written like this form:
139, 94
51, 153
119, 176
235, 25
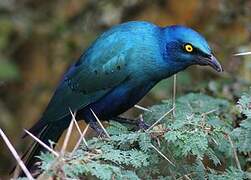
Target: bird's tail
52, 132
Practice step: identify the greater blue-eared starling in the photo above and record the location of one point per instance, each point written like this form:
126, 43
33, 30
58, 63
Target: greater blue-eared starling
116, 71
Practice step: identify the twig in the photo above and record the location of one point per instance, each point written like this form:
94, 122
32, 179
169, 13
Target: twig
42, 143
142, 108
16, 172
204, 115
16, 156
235, 153
174, 93
185, 176
100, 124
162, 117
162, 155
81, 137
243, 54
209, 112
79, 130
67, 136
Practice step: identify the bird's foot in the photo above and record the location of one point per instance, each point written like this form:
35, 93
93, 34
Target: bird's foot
96, 127
142, 125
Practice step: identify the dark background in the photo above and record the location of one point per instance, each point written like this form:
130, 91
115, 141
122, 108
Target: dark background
39, 39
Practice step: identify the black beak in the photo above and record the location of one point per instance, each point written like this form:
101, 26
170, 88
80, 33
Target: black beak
210, 61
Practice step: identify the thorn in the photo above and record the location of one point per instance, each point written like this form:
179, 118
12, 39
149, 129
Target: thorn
142, 108
235, 153
242, 54
16, 156
162, 117
42, 143
100, 124
174, 92
16, 172
209, 112
68, 134
187, 177
78, 128
80, 139
161, 154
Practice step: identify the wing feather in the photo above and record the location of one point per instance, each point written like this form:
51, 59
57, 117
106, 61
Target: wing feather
101, 68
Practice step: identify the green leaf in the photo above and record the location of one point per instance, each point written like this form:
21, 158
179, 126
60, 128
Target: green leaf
144, 142
230, 174
242, 134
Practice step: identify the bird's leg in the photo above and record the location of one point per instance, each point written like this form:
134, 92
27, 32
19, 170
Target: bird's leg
139, 122
96, 127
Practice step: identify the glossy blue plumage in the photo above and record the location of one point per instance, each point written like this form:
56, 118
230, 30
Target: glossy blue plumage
117, 70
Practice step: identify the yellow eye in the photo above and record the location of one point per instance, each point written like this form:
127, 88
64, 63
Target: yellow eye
188, 47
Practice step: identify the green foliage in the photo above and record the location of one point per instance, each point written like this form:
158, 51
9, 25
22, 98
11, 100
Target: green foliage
242, 134
46, 159
230, 174
196, 124
103, 159
194, 140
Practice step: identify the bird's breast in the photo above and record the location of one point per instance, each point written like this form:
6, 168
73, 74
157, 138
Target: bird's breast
120, 99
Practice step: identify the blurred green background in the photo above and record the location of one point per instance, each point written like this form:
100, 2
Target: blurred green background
39, 39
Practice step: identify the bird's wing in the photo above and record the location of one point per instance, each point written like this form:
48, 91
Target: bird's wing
101, 68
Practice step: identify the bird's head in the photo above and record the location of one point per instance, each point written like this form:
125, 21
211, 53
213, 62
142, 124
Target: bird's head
186, 47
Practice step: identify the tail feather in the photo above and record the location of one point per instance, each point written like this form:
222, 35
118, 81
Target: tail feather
52, 132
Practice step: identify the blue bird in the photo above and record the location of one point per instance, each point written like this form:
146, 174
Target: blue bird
116, 71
